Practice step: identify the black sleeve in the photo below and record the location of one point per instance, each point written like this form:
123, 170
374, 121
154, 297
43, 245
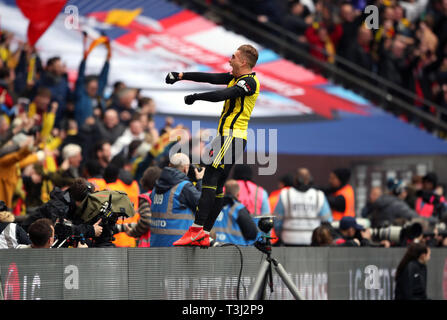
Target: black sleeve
247, 225
87, 230
190, 196
337, 203
416, 282
22, 236
244, 87
213, 78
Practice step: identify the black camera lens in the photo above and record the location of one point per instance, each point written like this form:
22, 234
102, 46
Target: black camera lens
265, 224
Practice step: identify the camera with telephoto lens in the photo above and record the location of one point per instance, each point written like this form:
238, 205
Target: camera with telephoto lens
397, 234
441, 231
65, 236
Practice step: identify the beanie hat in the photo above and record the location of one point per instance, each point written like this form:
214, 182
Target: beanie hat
343, 175
431, 177
242, 172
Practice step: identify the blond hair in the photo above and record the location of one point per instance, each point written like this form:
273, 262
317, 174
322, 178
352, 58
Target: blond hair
249, 53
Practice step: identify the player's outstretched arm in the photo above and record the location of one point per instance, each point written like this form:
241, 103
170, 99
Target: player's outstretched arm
213, 78
245, 87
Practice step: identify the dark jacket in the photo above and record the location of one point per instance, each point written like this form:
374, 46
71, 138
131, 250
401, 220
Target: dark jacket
60, 207
411, 284
60, 92
110, 134
190, 194
388, 208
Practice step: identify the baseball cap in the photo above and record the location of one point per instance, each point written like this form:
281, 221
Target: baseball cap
350, 222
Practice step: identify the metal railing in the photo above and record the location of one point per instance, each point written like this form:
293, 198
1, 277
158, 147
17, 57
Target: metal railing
378, 90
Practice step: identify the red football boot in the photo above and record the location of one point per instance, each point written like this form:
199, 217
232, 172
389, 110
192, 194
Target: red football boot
205, 242
194, 234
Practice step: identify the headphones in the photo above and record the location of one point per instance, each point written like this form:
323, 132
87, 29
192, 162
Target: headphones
396, 186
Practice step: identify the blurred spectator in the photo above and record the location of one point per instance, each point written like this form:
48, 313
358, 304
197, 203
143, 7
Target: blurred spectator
11, 234
142, 230
340, 194
72, 155
321, 237
391, 206
9, 175
413, 190
113, 99
134, 132
359, 51
430, 204
251, 195
323, 41
124, 105
89, 90
298, 17
55, 78
374, 194
350, 24
300, 210
103, 154
110, 128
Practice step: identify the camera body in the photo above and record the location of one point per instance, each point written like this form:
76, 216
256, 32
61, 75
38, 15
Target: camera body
265, 224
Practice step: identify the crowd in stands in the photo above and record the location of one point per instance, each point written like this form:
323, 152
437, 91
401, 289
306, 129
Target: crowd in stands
407, 46
53, 133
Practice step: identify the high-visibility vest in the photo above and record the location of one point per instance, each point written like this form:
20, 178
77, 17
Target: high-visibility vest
250, 195
100, 184
301, 216
273, 201
226, 227
170, 218
132, 190
145, 240
425, 209
121, 238
348, 193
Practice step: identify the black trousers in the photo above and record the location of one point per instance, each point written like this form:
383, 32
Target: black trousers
225, 152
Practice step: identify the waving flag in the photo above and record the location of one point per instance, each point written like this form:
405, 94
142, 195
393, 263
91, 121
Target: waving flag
41, 15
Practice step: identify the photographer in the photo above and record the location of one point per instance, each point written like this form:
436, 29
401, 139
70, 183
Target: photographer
352, 234
347, 230
62, 208
389, 207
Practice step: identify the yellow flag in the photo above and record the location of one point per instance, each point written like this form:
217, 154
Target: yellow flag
121, 17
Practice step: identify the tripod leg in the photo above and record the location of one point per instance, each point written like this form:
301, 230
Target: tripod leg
287, 280
260, 278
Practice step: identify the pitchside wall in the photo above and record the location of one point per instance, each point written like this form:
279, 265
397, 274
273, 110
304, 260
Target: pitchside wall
193, 273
